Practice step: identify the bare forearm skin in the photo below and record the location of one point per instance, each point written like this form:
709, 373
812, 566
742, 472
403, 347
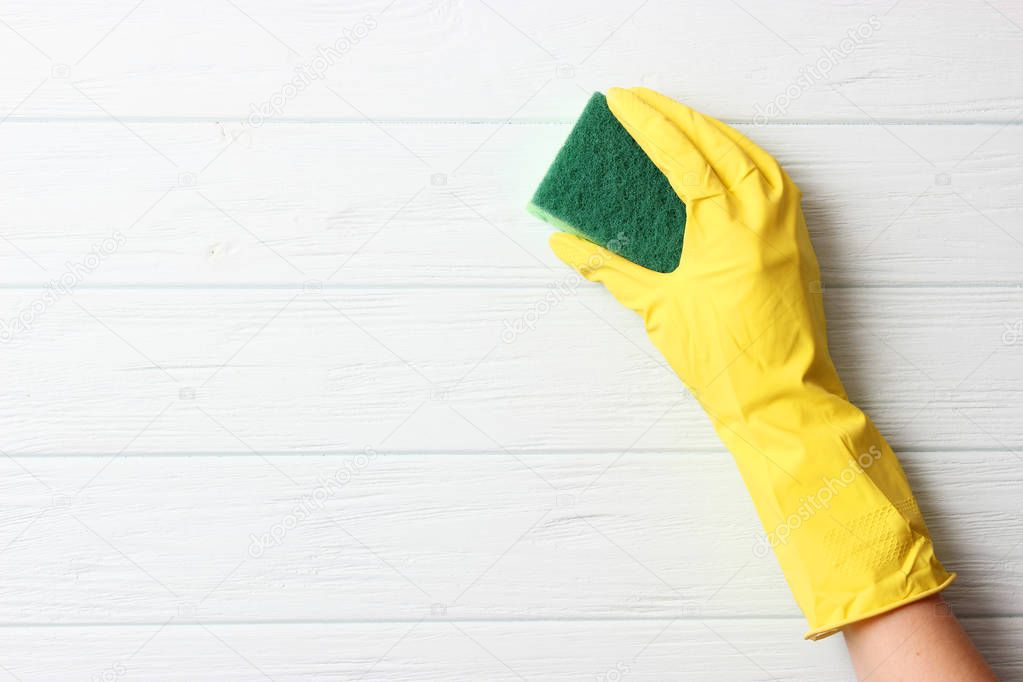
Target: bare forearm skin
919, 641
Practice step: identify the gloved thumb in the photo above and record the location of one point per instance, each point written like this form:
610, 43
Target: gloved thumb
631, 284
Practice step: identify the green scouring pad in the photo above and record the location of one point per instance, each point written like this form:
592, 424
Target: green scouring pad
603, 187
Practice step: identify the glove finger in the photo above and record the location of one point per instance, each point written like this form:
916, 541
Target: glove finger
671, 149
728, 159
676, 110
631, 284
739, 160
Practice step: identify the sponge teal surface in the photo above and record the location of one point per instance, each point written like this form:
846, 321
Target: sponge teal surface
603, 187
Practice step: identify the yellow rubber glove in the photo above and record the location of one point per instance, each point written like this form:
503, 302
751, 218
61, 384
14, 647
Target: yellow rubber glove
741, 321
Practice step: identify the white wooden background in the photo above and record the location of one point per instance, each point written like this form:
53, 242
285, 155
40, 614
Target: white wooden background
309, 312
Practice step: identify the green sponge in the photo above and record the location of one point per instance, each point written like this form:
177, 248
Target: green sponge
603, 187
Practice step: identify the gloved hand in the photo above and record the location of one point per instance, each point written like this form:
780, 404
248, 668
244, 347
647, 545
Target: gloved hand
741, 321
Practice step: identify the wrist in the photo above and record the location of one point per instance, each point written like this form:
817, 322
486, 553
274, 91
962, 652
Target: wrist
796, 414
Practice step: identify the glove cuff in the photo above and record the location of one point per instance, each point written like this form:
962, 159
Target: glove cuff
837, 508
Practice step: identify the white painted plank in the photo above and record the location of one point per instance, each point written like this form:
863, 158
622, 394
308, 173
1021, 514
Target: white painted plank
940, 60
385, 537
345, 203
291, 371
634, 650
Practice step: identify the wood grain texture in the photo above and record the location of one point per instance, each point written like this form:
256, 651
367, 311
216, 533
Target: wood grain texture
463, 59
756, 650
346, 204
183, 370
211, 539
299, 392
